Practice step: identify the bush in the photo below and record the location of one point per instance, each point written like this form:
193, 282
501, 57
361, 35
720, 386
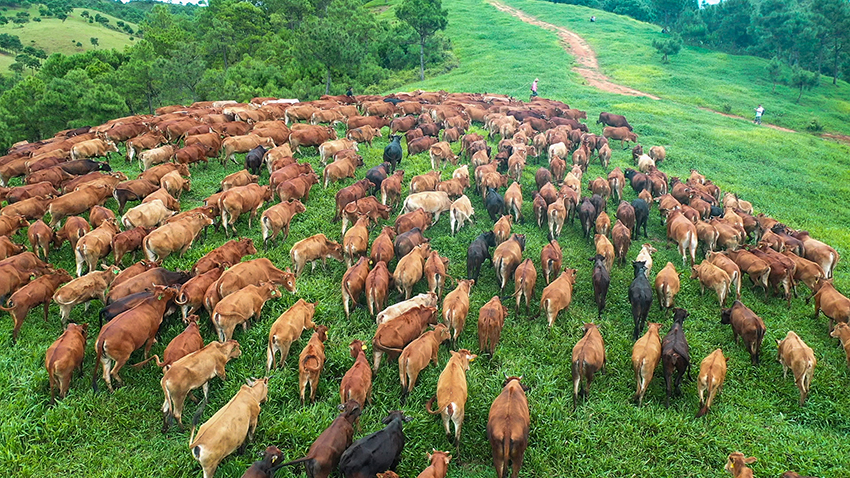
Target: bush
727, 108
814, 125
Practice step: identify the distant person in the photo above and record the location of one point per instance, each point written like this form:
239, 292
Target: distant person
593, 18
349, 92
534, 87
759, 112
664, 31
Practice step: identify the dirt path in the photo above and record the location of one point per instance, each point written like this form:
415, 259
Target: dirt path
773, 126
587, 67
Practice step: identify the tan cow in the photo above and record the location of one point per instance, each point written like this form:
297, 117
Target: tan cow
452, 393
684, 233
605, 249
64, 356
175, 184
434, 202
355, 242
645, 255
833, 304
440, 153
377, 287
713, 277
277, 218
150, 214
841, 331
394, 311
230, 427
311, 362
558, 295
329, 148
646, 353
460, 211
92, 148
737, 465
416, 355
83, 289
311, 250
712, 374
239, 178
191, 372
795, 354
491, 319
241, 200
588, 358
287, 329
240, 307
435, 272
410, 269
729, 266
173, 237
242, 144
507, 257
667, 286
94, 246
425, 182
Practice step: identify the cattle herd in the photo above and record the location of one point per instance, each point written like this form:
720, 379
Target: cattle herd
62, 183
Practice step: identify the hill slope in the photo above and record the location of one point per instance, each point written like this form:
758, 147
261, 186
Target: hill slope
55, 36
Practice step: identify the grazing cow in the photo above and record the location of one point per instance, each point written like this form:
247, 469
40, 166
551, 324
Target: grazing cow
681, 230
550, 259
392, 312
422, 144
393, 335
94, 246
605, 249
491, 319
667, 286
435, 272
646, 354
418, 219
239, 307
9, 248
818, 252
354, 283
737, 465
149, 214
9, 225
805, 271
675, 355
77, 202
452, 393
393, 152
243, 144
588, 357
713, 277
410, 269
239, 178
172, 237
230, 428
230, 252
364, 134
746, 325
477, 252
416, 356
611, 119
391, 189
287, 329
507, 257
342, 168
81, 290
508, 426
623, 134
460, 211
357, 382
175, 184
240, 200
277, 218
834, 305
434, 202
311, 362
377, 452
265, 468
712, 374
601, 280
129, 331
382, 247
311, 250
31, 208
494, 203
794, 353
640, 296
92, 148
558, 295
191, 372
841, 331
757, 269
324, 454
63, 357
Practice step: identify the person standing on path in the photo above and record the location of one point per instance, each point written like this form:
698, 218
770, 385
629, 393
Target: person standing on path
534, 87
759, 112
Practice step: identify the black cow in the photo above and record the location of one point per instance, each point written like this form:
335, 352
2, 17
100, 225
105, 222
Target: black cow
641, 217
394, 101
84, 166
716, 211
378, 173
675, 354
478, 251
587, 216
378, 452
407, 241
599, 203
264, 468
122, 305
611, 119
640, 296
639, 181
393, 152
495, 204
254, 159
601, 280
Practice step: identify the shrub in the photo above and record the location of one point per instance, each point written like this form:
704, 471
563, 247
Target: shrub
814, 125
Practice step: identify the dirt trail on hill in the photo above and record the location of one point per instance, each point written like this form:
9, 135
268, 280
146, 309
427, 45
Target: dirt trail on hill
773, 126
587, 67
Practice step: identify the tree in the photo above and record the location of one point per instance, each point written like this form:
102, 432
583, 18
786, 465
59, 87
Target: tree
804, 79
667, 11
85, 14
426, 17
93, 41
774, 71
834, 18
668, 46
10, 42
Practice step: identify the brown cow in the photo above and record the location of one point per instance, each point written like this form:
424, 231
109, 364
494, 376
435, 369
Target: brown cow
364, 134
310, 136
175, 236
277, 218
605, 249
127, 332
525, 278
191, 296
391, 189
834, 305
491, 319
712, 374
557, 296
841, 331
9, 225
416, 355
240, 200
356, 384
667, 286
622, 133
341, 168
382, 247
646, 354
349, 194
435, 272
550, 259
507, 257
377, 287
507, 427
806, 271
99, 214
31, 208
9, 248
794, 353
392, 336
368, 206
311, 362
312, 249
247, 273
40, 236
737, 465
94, 246
588, 358
410, 269
414, 219
355, 242
128, 241
175, 184
63, 357
819, 252
231, 252
240, 307
287, 329
746, 325
239, 178
92, 148
81, 290
353, 284
297, 188
452, 393
757, 269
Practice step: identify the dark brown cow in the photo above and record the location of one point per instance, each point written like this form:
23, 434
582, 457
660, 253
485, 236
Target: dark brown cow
508, 426
37, 292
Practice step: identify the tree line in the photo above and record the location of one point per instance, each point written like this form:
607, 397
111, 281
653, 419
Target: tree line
231, 49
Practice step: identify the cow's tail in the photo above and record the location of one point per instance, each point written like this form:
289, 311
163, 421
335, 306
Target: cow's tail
98, 346
267, 227
428, 406
145, 362
150, 253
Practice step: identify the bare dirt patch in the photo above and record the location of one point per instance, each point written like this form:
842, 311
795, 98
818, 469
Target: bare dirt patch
772, 126
587, 67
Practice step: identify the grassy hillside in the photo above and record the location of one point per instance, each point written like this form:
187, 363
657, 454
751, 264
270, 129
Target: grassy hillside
797, 178
54, 36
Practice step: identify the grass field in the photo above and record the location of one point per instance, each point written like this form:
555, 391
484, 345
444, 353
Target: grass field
54, 36
797, 178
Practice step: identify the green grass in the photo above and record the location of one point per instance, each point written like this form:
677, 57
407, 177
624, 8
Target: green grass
797, 178
54, 36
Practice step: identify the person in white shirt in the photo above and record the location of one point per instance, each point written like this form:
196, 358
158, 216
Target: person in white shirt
759, 112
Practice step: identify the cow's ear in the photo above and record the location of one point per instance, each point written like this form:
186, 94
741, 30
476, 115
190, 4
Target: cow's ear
750, 460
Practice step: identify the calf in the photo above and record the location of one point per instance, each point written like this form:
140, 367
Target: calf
264, 468
311, 362
834, 305
416, 355
507, 257
63, 357
795, 354
737, 465
588, 357
452, 393
240, 307
712, 374
39, 291
747, 325
508, 426
841, 331
377, 452
646, 353
675, 355
193, 371
667, 286
439, 463
277, 218
324, 454
410, 269
640, 296
311, 250
83, 289
230, 428
713, 277
287, 329
601, 280
392, 336
354, 283
557, 296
